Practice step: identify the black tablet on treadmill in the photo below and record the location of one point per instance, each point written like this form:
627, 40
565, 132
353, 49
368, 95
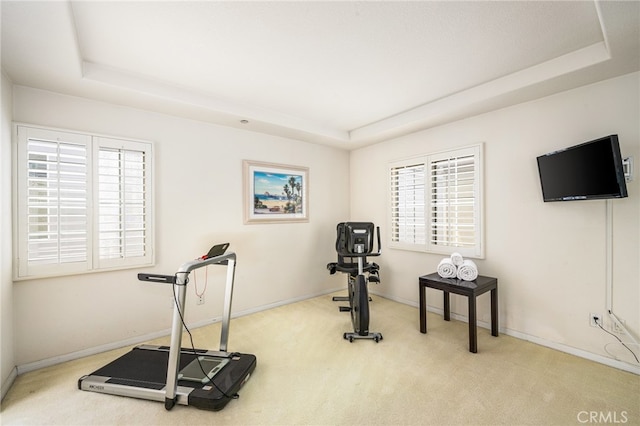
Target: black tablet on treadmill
217, 250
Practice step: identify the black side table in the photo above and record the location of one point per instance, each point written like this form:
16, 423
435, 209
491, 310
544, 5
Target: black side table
471, 289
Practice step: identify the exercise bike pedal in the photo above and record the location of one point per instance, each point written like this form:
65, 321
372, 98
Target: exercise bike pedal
345, 309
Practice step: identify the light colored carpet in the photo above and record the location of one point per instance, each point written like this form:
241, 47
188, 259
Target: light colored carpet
308, 375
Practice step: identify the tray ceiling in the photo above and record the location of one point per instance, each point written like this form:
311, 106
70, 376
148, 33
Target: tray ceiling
345, 74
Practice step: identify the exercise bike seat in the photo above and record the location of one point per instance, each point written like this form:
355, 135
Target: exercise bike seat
351, 267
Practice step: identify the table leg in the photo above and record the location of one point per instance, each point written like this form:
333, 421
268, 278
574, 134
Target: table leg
473, 329
423, 309
447, 306
494, 312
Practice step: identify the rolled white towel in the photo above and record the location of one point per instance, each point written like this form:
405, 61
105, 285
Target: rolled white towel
468, 271
446, 268
457, 259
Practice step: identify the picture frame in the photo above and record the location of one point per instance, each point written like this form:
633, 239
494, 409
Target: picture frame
275, 193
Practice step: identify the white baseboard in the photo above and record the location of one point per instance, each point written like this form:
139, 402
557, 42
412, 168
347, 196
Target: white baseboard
621, 365
6, 384
25, 368
284, 302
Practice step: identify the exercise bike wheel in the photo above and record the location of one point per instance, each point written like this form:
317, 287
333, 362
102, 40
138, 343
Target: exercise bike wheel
359, 297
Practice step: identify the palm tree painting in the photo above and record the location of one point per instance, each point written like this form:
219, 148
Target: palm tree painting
277, 192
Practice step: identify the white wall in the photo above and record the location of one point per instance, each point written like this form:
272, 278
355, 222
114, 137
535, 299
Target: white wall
549, 257
6, 284
198, 181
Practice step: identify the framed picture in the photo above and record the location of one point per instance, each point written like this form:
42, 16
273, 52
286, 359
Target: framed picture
275, 193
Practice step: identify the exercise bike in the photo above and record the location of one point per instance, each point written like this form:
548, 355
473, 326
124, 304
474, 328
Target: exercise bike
354, 243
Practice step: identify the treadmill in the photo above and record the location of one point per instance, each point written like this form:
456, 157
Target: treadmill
206, 379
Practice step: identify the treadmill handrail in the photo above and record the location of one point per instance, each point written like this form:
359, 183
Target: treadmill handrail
180, 291
187, 267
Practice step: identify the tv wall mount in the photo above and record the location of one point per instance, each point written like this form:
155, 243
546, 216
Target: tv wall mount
627, 167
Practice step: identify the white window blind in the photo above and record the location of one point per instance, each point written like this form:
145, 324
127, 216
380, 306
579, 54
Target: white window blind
56, 202
122, 208
453, 201
407, 204
83, 203
436, 202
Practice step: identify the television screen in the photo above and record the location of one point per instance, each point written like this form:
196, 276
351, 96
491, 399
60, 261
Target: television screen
592, 170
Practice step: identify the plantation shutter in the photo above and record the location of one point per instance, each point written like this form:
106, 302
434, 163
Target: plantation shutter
54, 182
454, 200
83, 203
436, 202
408, 204
123, 225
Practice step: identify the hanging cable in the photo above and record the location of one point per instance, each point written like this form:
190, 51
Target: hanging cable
619, 340
193, 347
206, 280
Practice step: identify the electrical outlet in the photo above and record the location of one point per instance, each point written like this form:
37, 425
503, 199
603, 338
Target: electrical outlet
200, 300
595, 319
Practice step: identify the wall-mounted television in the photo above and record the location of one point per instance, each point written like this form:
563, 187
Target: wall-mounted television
591, 170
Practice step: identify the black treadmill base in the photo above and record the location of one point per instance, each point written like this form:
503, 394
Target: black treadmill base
146, 368
228, 382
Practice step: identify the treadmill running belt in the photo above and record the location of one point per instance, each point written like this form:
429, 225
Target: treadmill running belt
141, 366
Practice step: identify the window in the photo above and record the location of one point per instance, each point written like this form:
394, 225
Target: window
408, 205
436, 203
83, 203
